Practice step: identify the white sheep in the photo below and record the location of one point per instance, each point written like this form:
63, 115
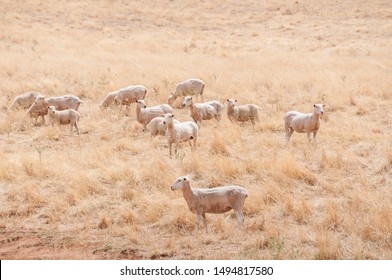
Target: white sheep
68, 116
24, 101
40, 106
157, 127
180, 132
187, 87
242, 113
131, 94
203, 111
145, 114
108, 100
301, 123
215, 200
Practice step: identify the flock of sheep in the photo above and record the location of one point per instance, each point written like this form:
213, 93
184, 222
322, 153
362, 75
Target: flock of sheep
160, 121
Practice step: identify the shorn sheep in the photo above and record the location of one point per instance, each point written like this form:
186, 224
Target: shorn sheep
187, 87
180, 132
145, 114
68, 116
242, 113
24, 101
215, 200
108, 100
301, 123
127, 96
203, 111
40, 106
157, 127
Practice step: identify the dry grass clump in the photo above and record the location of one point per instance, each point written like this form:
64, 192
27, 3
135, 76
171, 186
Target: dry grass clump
289, 167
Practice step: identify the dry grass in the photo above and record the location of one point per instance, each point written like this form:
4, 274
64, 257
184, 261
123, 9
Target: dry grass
106, 193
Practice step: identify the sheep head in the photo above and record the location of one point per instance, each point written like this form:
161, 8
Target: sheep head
231, 102
318, 109
168, 118
187, 101
180, 183
141, 104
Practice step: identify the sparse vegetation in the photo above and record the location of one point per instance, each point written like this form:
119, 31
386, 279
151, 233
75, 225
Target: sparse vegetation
106, 193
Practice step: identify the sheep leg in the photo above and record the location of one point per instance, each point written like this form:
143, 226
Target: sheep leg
198, 217
289, 131
77, 128
240, 218
205, 221
308, 133
314, 135
170, 149
70, 126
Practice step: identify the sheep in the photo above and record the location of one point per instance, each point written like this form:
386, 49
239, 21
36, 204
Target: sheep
242, 113
68, 116
108, 100
157, 127
215, 200
187, 87
40, 106
179, 132
24, 101
131, 94
301, 123
144, 115
203, 111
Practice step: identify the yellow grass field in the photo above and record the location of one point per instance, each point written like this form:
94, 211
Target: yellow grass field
105, 194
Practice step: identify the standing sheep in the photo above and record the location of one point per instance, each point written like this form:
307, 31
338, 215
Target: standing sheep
215, 200
242, 113
145, 114
24, 101
68, 116
203, 111
180, 132
40, 106
301, 123
187, 87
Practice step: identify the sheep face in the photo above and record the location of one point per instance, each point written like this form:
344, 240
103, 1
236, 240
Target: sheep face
319, 109
179, 183
187, 101
168, 118
141, 104
231, 102
52, 110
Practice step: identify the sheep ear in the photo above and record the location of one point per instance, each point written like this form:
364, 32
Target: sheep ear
227, 99
172, 116
236, 100
324, 105
314, 105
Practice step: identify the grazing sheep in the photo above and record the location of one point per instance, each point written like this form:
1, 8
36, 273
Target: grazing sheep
24, 101
242, 113
215, 200
127, 96
144, 115
68, 116
203, 111
40, 106
179, 132
109, 99
187, 87
157, 127
301, 123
